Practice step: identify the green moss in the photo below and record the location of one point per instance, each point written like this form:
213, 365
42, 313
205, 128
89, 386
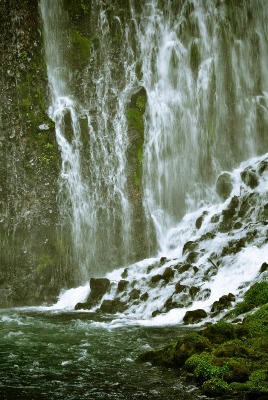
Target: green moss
258, 380
256, 296
193, 343
81, 45
214, 387
135, 120
220, 332
257, 324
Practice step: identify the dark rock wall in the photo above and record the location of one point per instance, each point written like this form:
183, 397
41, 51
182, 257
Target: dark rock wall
29, 160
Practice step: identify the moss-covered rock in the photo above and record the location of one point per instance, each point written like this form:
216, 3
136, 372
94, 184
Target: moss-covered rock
214, 387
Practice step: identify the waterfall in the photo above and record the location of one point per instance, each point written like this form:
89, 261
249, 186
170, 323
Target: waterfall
203, 70
91, 135
203, 67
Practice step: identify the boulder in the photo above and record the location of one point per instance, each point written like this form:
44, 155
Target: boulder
192, 257
122, 285
223, 303
194, 316
144, 296
249, 178
184, 268
224, 185
189, 246
168, 273
193, 291
112, 306
264, 267
98, 286
181, 288
134, 294
156, 278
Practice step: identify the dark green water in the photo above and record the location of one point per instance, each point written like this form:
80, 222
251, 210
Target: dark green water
49, 355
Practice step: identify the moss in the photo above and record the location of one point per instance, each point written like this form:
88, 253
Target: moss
135, 120
207, 370
256, 296
193, 343
196, 359
257, 324
81, 45
214, 387
220, 332
233, 348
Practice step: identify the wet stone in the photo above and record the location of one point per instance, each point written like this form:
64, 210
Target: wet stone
134, 294
192, 257
122, 285
224, 185
144, 296
264, 267
189, 246
181, 288
194, 316
249, 178
168, 273
193, 291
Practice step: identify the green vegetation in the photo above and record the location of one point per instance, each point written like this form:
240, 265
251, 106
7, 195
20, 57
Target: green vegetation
256, 296
81, 46
135, 119
225, 358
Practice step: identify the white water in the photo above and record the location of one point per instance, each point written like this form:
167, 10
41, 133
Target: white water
204, 70
235, 272
207, 104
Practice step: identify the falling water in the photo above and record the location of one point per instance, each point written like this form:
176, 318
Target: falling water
92, 139
203, 66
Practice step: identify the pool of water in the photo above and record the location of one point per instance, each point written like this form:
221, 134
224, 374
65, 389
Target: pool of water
71, 355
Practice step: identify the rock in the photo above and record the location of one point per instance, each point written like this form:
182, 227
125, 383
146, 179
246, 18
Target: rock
194, 316
125, 273
193, 291
184, 268
98, 286
134, 294
223, 303
192, 257
189, 246
168, 273
264, 267
155, 313
263, 167
181, 288
122, 285
156, 278
144, 296
224, 185
170, 304
163, 260
199, 221
249, 178
214, 387
112, 306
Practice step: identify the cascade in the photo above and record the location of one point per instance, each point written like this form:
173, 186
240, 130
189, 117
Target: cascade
91, 134
202, 65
